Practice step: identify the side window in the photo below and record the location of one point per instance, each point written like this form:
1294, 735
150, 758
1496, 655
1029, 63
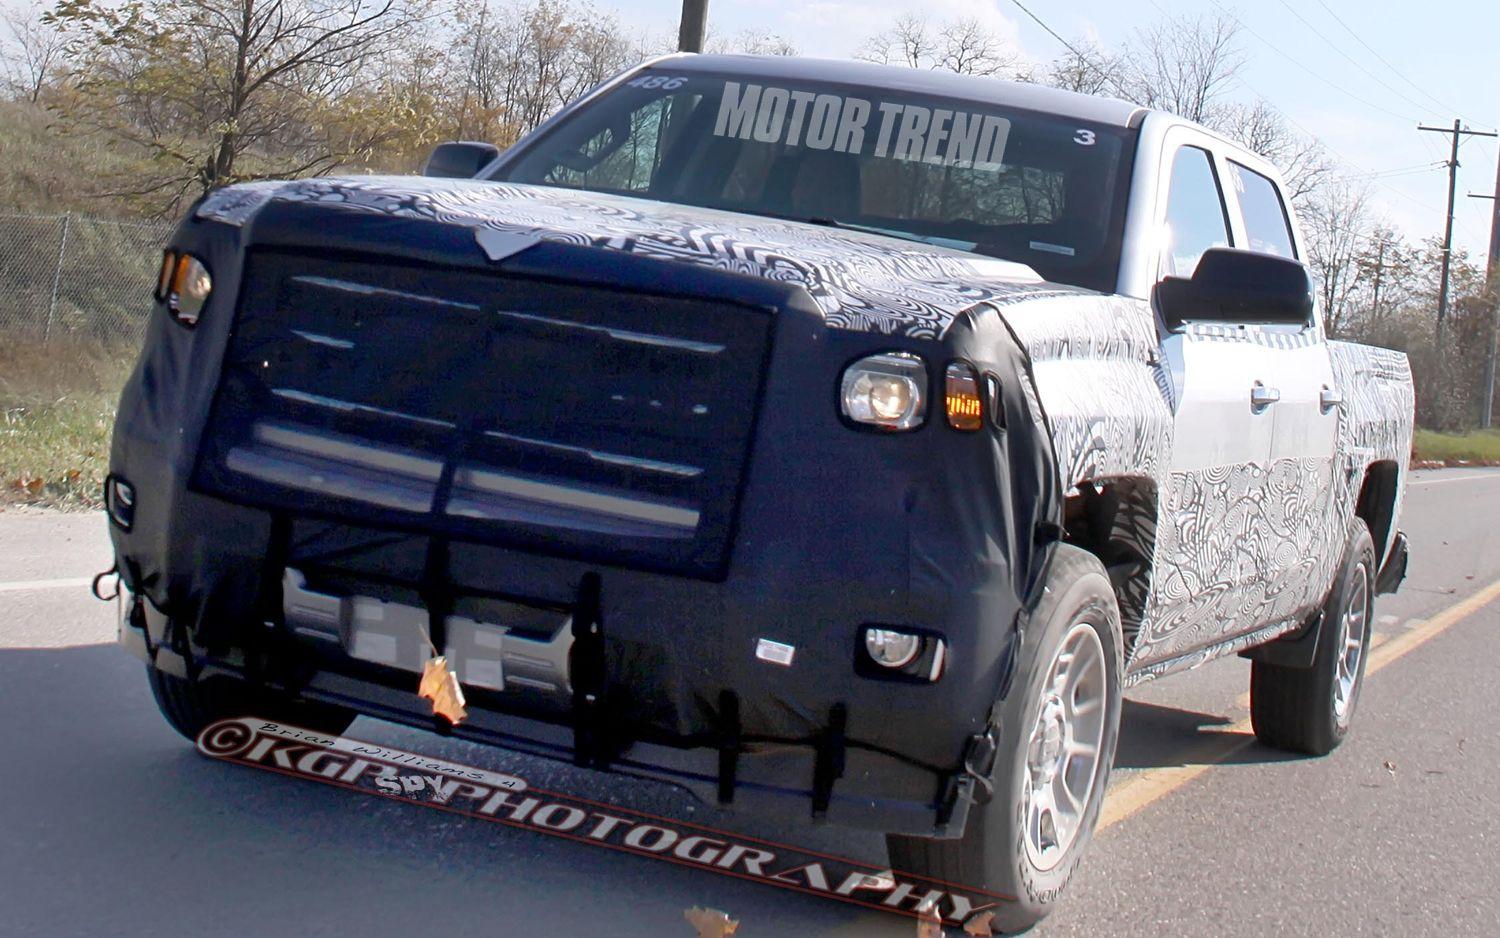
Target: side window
1196, 220
1266, 224
625, 157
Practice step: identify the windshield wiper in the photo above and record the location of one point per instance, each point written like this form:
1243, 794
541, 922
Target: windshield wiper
828, 222
868, 229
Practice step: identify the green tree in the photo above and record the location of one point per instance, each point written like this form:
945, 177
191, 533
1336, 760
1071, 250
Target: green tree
220, 91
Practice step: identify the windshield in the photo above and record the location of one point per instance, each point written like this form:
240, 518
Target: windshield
1030, 187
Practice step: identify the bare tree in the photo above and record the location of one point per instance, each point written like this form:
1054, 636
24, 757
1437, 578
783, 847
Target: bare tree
519, 64
909, 41
32, 55
1087, 69
965, 46
1184, 64
1304, 163
1337, 226
968, 47
755, 42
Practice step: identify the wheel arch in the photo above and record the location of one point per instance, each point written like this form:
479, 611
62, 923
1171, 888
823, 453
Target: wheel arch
1376, 505
1115, 520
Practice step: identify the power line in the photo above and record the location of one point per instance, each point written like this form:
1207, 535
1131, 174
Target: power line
1334, 46
1107, 73
1329, 82
1394, 70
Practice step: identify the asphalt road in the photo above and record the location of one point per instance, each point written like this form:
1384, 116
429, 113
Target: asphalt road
110, 824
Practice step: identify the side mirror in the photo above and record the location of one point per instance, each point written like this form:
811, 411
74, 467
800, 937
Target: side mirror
462, 159
1238, 286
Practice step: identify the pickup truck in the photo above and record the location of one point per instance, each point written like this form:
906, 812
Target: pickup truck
824, 438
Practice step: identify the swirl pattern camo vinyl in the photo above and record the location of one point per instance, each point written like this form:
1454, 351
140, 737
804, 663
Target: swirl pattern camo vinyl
1237, 553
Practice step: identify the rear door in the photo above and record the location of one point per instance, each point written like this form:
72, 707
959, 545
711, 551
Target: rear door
1301, 506
1207, 552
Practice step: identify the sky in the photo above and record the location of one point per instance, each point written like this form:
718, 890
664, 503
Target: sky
1359, 75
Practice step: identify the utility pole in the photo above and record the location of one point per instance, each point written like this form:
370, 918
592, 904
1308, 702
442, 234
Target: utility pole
694, 26
1458, 131
1492, 295
1379, 269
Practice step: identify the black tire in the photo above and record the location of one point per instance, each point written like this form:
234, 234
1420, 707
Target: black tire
993, 853
1298, 709
189, 706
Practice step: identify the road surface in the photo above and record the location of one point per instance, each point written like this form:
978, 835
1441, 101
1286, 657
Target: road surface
111, 825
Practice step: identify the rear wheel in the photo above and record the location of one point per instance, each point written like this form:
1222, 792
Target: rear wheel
1059, 726
1309, 709
189, 706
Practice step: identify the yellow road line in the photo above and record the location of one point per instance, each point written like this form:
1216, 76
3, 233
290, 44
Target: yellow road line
1149, 786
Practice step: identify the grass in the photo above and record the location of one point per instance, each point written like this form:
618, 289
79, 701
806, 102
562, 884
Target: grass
57, 407
1478, 447
44, 168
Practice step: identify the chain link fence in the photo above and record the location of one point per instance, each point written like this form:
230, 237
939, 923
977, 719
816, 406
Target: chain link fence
77, 277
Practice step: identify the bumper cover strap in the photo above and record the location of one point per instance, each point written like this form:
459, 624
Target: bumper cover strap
729, 744
829, 766
589, 676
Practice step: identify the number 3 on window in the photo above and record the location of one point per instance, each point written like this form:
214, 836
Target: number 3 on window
1084, 138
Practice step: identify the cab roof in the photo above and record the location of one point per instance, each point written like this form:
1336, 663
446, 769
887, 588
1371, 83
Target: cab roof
1016, 94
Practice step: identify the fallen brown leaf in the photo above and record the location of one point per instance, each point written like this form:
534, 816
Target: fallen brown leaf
440, 685
711, 923
980, 925
929, 923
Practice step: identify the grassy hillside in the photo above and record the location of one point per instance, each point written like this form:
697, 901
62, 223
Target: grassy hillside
48, 171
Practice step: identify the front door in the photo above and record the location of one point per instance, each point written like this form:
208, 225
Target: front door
1211, 544
1304, 498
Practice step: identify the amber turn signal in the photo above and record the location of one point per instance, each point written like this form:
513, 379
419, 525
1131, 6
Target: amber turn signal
961, 398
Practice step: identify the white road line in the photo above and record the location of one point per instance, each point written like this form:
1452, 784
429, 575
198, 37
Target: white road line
1489, 475
18, 586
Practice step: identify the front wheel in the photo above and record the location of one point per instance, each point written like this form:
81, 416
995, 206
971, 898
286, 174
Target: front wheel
190, 706
1058, 729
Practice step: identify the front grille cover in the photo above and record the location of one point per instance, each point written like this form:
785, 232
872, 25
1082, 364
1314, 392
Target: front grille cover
575, 420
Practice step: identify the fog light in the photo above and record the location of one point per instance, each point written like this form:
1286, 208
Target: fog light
891, 649
119, 501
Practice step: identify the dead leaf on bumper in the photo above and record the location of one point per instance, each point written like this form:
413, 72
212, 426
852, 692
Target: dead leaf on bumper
711, 923
929, 923
981, 925
440, 685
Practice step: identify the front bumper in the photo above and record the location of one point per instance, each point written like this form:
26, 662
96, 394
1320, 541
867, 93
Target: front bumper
835, 529
824, 777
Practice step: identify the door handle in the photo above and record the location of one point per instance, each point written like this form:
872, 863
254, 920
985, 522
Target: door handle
1330, 399
1262, 397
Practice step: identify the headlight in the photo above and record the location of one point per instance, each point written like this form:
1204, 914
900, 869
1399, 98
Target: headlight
886, 391
184, 285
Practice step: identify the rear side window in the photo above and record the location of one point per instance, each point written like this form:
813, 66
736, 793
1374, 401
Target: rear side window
1196, 220
1266, 224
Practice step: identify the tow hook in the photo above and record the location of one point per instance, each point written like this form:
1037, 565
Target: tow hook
98, 588
979, 763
